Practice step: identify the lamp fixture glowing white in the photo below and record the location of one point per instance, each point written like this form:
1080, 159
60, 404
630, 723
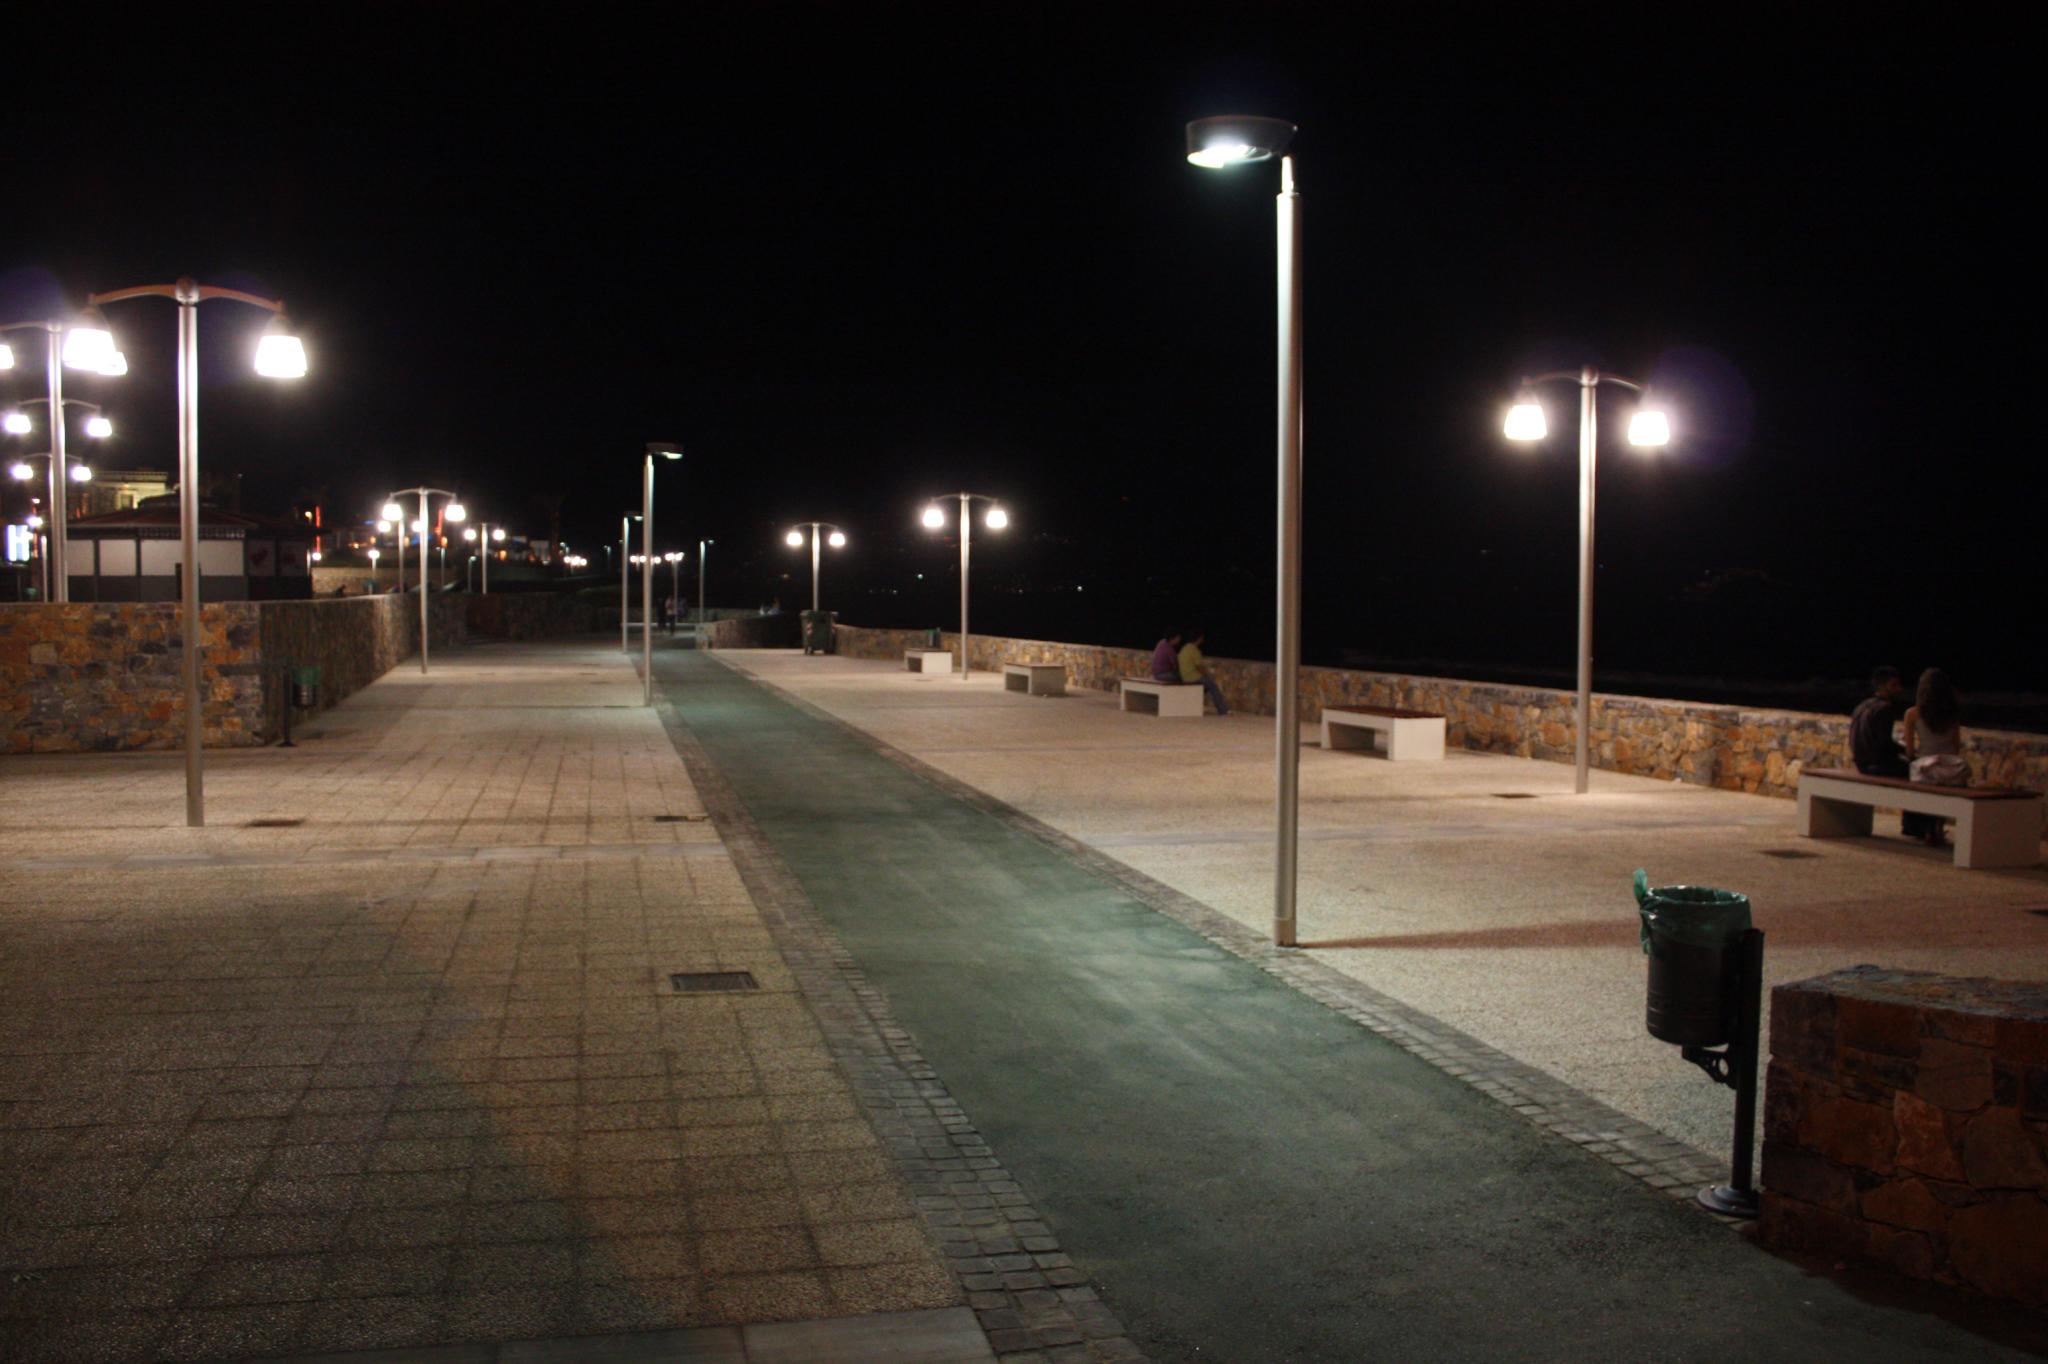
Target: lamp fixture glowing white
279, 353
89, 345
470, 534
391, 512
1649, 427
996, 519
794, 539
6, 356
16, 423
1525, 421
99, 428
837, 539
81, 474
1237, 140
22, 472
455, 511
383, 526
933, 517
498, 533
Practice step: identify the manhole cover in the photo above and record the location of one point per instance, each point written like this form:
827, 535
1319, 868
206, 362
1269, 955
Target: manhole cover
273, 823
1788, 854
713, 982
680, 819
1514, 795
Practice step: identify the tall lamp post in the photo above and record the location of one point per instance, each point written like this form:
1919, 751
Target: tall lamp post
1218, 144
1648, 427
454, 511
703, 558
674, 559
625, 580
665, 449
279, 355
995, 519
795, 540
483, 534
83, 343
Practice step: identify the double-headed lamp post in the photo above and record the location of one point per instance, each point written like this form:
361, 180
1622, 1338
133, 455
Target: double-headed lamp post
664, 449
674, 559
703, 557
995, 518
279, 355
1218, 144
1647, 427
795, 540
483, 535
81, 343
454, 511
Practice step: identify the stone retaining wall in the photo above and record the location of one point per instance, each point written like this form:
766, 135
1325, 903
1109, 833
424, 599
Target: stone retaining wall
103, 676
528, 615
1906, 1124
781, 631
1731, 747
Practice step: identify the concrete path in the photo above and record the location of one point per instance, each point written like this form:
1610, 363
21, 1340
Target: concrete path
1510, 920
1247, 1174
389, 1055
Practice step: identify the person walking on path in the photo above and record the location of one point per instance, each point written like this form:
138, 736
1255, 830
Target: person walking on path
1934, 739
1166, 658
1193, 668
1872, 748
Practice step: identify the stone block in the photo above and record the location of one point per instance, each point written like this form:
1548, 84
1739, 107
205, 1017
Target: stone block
1884, 1026
1953, 1075
2000, 1153
1809, 1178
1926, 1145
1851, 1133
1803, 1029
1907, 1203
2000, 1247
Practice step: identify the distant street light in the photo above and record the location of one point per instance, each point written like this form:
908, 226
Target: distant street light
795, 540
703, 557
995, 519
1647, 427
82, 343
279, 355
454, 511
483, 535
674, 558
1217, 144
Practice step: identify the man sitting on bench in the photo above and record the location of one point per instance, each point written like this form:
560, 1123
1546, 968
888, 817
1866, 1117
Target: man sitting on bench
1194, 669
1166, 658
1873, 749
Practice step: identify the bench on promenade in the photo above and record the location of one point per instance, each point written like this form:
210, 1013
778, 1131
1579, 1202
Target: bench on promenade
1036, 679
1995, 826
929, 660
1168, 700
1411, 735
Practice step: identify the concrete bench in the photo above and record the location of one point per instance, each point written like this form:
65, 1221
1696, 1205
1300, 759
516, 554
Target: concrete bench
1036, 679
1995, 826
1167, 700
1411, 735
929, 660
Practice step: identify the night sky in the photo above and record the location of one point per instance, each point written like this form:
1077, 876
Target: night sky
852, 256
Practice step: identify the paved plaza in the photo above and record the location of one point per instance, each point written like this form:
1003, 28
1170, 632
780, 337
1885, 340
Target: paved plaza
397, 1056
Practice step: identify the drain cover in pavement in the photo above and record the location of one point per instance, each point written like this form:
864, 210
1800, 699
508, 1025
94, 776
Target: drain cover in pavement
273, 823
680, 819
1788, 853
713, 982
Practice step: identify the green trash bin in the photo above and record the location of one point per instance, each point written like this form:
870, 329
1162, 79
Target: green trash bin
1692, 936
817, 632
305, 688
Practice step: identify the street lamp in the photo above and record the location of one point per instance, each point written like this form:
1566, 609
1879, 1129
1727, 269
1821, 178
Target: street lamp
75, 343
995, 518
675, 586
278, 356
667, 449
454, 511
483, 535
626, 521
795, 540
703, 558
373, 567
1218, 144
1648, 427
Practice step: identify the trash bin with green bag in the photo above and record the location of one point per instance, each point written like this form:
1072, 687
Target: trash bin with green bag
1692, 936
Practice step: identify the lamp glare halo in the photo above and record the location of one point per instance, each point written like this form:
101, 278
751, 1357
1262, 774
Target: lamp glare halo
934, 518
89, 348
81, 474
21, 471
1237, 140
1525, 422
1650, 428
837, 539
17, 423
455, 511
997, 518
279, 356
99, 428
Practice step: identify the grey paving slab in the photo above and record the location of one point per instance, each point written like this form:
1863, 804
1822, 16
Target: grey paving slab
940, 1337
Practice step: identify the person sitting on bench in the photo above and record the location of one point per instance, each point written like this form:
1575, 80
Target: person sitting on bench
1872, 748
1934, 740
1194, 669
1166, 658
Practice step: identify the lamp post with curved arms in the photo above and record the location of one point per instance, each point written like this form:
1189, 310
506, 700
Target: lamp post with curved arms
483, 534
279, 355
995, 518
83, 343
1647, 427
703, 558
454, 511
666, 449
674, 559
625, 580
795, 540
1218, 144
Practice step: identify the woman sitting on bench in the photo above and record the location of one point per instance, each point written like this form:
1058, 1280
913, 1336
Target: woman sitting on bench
1934, 741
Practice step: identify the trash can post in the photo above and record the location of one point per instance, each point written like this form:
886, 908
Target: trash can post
1737, 1198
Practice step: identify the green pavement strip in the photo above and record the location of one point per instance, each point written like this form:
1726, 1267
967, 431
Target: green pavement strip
1246, 1174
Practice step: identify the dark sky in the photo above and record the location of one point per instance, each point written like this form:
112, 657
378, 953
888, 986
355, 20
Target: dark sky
854, 255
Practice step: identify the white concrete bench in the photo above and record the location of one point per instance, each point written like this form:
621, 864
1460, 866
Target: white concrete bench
1995, 826
1036, 679
1167, 700
929, 660
1411, 735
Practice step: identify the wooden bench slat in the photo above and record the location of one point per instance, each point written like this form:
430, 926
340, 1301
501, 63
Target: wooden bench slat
1931, 788
1391, 712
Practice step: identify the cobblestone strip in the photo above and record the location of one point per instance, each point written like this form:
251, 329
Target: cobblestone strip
1035, 1306
1635, 1148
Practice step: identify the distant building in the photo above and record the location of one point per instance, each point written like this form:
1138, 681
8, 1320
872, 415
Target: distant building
116, 490
133, 555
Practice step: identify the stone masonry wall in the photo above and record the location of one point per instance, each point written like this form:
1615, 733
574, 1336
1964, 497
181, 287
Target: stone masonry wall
528, 615
781, 631
1731, 747
1906, 1124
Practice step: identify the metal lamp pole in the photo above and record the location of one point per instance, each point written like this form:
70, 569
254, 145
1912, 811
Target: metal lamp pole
703, 558
997, 519
667, 449
837, 541
1216, 144
675, 587
625, 582
279, 355
455, 513
1648, 427
84, 344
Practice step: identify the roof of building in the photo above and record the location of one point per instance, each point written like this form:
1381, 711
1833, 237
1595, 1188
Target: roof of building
210, 518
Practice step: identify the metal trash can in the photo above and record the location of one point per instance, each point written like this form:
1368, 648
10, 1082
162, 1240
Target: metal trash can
305, 688
1692, 936
817, 632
